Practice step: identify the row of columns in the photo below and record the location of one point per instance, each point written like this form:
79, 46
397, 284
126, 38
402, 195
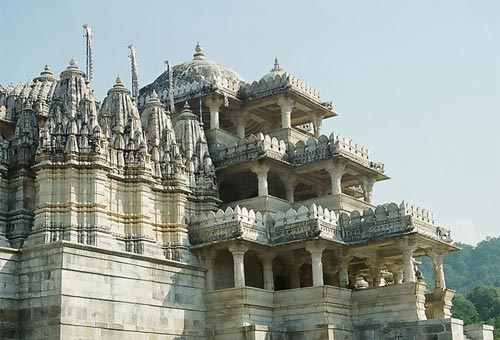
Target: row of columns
336, 171
407, 274
286, 105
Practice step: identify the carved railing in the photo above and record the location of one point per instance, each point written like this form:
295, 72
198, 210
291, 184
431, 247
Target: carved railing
305, 223
228, 224
325, 147
389, 219
277, 84
250, 149
339, 203
313, 222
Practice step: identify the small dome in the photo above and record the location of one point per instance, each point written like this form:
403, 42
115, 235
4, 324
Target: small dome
275, 71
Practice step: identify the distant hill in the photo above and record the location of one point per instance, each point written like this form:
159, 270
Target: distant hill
475, 273
468, 268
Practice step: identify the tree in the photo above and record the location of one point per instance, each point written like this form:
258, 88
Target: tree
486, 299
464, 309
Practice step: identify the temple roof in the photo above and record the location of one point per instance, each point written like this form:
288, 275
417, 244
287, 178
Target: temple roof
193, 77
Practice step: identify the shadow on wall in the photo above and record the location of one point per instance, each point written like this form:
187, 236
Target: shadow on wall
9, 308
183, 312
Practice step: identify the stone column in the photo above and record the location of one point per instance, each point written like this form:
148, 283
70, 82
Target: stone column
286, 105
367, 186
213, 103
267, 267
208, 261
336, 171
316, 252
408, 264
397, 275
261, 172
317, 125
238, 252
376, 272
437, 261
290, 184
344, 271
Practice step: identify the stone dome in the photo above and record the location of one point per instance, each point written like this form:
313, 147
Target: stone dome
275, 71
200, 71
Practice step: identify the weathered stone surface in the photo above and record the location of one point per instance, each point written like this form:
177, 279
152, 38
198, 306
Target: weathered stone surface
229, 215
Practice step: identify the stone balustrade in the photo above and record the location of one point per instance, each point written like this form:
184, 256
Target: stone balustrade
228, 224
250, 149
340, 203
305, 223
389, 219
195, 88
277, 84
301, 152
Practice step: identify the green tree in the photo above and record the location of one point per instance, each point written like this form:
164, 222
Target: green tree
464, 309
486, 299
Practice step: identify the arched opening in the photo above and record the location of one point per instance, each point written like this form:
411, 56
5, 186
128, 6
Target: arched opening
305, 274
275, 185
254, 276
304, 192
223, 270
238, 187
281, 274
351, 186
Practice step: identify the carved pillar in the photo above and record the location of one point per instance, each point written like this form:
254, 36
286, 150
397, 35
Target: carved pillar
208, 261
316, 252
286, 105
290, 184
437, 262
376, 271
239, 122
367, 186
344, 271
213, 103
408, 264
397, 275
317, 125
238, 252
261, 172
336, 171
267, 267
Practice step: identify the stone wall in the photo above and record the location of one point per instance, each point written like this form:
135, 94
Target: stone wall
8, 294
71, 291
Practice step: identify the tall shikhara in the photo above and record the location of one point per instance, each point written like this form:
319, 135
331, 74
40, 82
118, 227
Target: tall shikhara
135, 218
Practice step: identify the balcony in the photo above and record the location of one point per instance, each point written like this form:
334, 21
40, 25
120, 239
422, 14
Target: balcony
339, 203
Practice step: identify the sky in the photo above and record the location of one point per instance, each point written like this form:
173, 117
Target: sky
417, 82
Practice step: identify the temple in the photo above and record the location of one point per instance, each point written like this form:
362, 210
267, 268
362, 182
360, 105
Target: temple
204, 207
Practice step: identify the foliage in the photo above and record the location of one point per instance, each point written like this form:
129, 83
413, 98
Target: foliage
469, 267
475, 273
464, 309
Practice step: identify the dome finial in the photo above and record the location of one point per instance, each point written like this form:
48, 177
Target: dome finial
119, 80
198, 55
277, 66
154, 95
73, 64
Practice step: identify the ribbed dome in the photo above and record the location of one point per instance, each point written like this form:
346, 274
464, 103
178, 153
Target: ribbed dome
198, 70
202, 70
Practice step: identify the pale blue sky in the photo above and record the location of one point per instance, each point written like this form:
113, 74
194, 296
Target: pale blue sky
418, 82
